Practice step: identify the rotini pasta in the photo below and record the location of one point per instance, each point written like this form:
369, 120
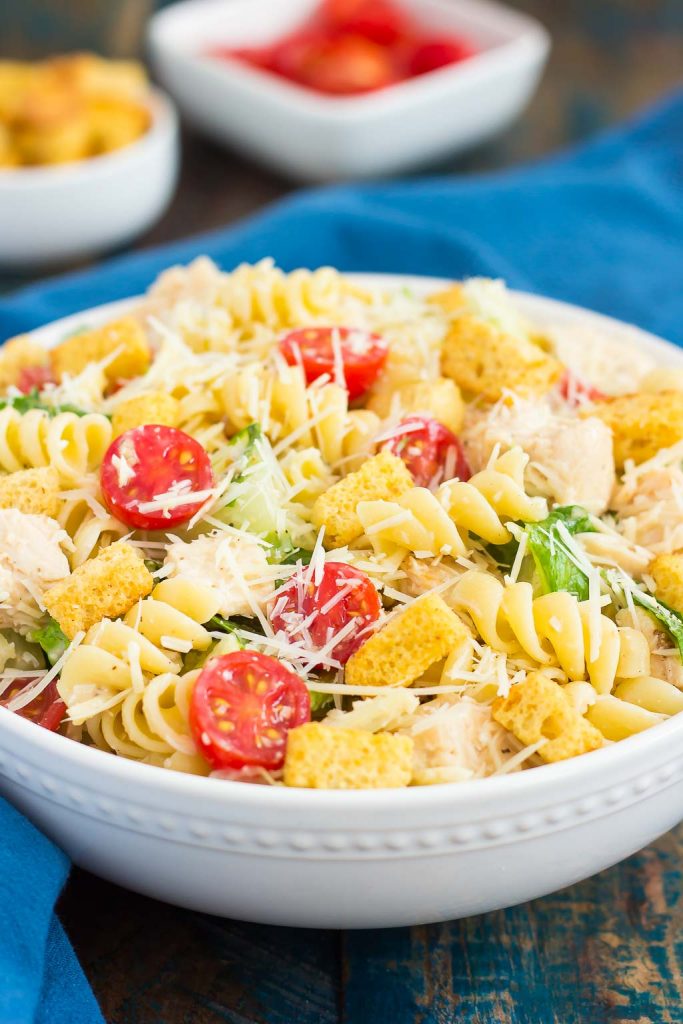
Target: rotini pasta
550, 629
72, 444
434, 524
89, 526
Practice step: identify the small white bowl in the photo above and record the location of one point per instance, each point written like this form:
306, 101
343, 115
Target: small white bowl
51, 215
350, 859
314, 137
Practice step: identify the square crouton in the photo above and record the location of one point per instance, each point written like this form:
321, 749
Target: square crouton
125, 335
18, 354
642, 423
34, 491
322, 757
411, 641
383, 477
103, 587
150, 407
667, 572
485, 361
537, 709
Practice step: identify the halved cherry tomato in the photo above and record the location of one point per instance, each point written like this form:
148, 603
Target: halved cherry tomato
47, 709
242, 707
147, 462
34, 377
340, 66
362, 354
381, 21
578, 392
313, 613
437, 52
431, 451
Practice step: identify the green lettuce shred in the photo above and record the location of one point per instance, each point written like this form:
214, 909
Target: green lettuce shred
52, 640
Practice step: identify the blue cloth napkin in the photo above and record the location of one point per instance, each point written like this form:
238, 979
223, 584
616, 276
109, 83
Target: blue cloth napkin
600, 225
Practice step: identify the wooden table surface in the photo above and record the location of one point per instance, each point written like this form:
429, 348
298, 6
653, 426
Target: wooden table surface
606, 950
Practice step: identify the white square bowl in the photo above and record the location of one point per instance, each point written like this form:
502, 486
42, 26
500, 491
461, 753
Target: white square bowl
313, 137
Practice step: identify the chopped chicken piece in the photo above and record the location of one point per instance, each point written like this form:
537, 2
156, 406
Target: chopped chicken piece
422, 575
456, 738
570, 460
235, 566
32, 559
650, 507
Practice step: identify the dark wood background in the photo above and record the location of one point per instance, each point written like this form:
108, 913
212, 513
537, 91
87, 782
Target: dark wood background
607, 950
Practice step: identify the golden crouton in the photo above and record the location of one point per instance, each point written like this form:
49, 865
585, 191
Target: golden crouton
34, 491
16, 355
537, 709
439, 398
642, 423
485, 361
384, 476
115, 122
667, 572
103, 587
321, 757
150, 407
421, 634
125, 337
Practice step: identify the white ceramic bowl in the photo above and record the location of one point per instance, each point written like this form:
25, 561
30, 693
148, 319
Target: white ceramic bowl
315, 137
51, 215
350, 859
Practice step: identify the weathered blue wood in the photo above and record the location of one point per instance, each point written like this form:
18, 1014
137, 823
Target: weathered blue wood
606, 951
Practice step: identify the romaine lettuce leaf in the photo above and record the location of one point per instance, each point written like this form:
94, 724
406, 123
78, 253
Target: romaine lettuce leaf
555, 568
52, 640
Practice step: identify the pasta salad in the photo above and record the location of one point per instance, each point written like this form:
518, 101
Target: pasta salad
279, 528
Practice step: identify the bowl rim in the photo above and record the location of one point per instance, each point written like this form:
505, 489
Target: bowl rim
164, 124
628, 754
532, 39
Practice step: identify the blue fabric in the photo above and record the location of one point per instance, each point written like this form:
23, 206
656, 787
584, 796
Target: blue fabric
601, 225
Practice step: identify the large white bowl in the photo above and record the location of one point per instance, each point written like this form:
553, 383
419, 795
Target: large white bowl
350, 859
315, 137
51, 215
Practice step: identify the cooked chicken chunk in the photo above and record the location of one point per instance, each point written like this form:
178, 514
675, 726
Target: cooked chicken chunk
571, 461
456, 738
32, 559
233, 565
650, 507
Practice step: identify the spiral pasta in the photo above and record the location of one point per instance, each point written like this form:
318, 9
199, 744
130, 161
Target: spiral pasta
72, 444
285, 407
89, 530
264, 294
433, 524
552, 629
121, 655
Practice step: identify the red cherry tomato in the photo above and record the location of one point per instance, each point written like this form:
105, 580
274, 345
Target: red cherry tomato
151, 461
339, 66
379, 20
576, 391
242, 707
362, 354
47, 709
32, 377
437, 52
313, 613
431, 451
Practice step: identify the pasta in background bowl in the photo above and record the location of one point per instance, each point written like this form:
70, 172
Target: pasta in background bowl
482, 632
